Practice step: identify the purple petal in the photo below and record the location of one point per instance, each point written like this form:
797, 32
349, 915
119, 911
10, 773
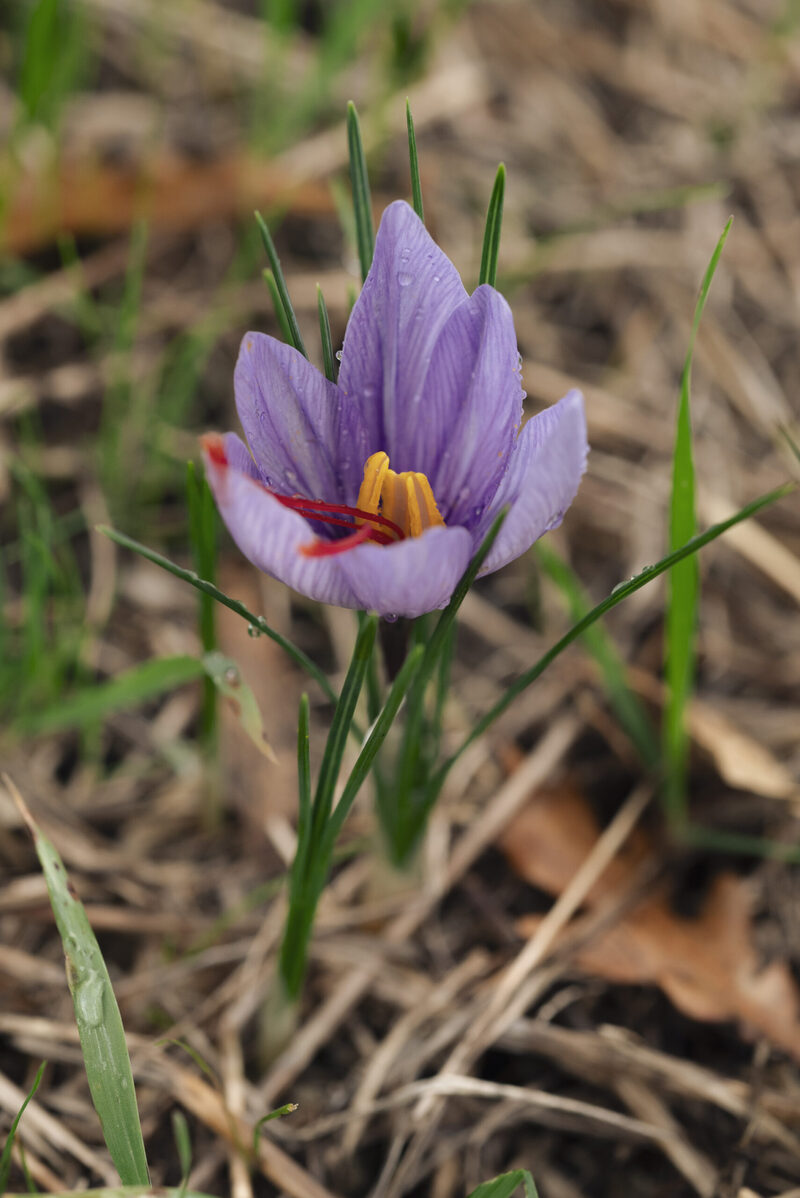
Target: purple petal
410, 577
462, 430
292, 417
410, 291
239, 457
270, 535
545, 471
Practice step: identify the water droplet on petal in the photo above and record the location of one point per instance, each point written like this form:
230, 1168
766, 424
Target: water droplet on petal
390, 618
404, 278
338, 355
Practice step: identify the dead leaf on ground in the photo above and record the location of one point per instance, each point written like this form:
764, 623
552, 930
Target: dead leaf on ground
709, 966
87, 197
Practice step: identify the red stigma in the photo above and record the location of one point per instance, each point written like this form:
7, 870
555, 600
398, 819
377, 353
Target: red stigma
364, 526
214, 445
320, 548
373, 527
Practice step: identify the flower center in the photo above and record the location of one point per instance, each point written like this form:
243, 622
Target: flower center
406, 498
390, 507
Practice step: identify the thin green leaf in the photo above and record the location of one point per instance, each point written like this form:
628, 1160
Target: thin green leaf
311, 863
257, 623
377, 735
303, 759
105, 1053
328, 360
5, 1159
684, 580
203, 537
627, 705
494, 224
227, 678
304, 812
416, 186
620, 592
199, 1060
402, 816
277, 304
342, 719
183, 1143
505, 1185
295, 337
790, 441
86, 707
362, 202
721, 841
288, 1108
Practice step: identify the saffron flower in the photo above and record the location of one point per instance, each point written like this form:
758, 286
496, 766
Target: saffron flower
376, 491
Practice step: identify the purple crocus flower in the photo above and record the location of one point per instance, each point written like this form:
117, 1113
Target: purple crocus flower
376, 492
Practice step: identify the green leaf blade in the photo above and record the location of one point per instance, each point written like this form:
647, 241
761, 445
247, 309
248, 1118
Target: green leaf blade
133, 687
505, 1185
619, 593
683, 588
102, 1036
328, 359
362, 200
285, 303
413, 160
494, 224
257, 623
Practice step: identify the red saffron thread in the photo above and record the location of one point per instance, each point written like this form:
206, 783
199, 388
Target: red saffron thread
320, 548
372, 528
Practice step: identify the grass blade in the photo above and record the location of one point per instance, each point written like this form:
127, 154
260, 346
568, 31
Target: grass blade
684, 580
312, 862
494, 224
183, 1143
129, 689
328, 360
505, 1185
342, 719
105, 1053
303, 784
295, 337
413, 159
258, 623
5, 1158
403, 822
620, 592
277, 303
627, 705
362, 202
203, 537
226, 677
375, 739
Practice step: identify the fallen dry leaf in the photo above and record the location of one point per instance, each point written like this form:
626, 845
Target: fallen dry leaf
709, 966
87, 197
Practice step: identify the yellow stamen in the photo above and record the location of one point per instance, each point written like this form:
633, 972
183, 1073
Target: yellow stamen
406, 498
375, 469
